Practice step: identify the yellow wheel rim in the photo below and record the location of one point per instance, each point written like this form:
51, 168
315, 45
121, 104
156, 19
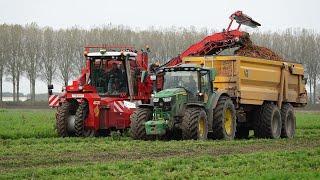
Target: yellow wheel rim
228, 121
201, 127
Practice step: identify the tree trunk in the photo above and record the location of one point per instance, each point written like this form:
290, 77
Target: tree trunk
310, 88
1, 75
314, 88
14, 87
33, 90
18, 85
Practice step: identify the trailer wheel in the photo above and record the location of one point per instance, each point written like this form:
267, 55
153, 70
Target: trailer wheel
80, 117
61, 119
268, 124
224, 119
242, 132
194, 124
288, 121
138, 119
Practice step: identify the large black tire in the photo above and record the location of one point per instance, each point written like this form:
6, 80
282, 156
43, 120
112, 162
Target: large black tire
224, 120
61, 120
288, 121
194, 124
138, 119
242, 132
268, 124
80, 117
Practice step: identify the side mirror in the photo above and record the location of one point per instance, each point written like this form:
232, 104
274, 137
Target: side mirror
50, 87
144, 75
305, 80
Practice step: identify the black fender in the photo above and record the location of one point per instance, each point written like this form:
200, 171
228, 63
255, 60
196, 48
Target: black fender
214, 103
195, 105
149, 106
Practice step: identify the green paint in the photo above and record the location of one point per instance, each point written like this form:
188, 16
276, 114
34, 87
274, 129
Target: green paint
156, 127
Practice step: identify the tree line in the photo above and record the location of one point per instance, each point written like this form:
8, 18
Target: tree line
47, 54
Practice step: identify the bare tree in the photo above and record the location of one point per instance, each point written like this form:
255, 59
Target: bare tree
3, 54
65, 62
32, 55
49, 55
15, 53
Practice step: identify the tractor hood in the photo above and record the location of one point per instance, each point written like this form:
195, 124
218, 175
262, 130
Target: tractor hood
170, 92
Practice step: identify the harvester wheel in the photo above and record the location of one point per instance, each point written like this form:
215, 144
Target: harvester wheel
138, 119
288, 121
80, 117
194, 124
61, 119
269, 122
242, 132
224, 119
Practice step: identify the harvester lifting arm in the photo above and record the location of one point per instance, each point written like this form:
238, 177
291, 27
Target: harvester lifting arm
217, 42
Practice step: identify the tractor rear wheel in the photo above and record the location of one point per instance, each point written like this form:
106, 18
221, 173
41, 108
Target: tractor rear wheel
61, 119
224, 119
194, 124
268, 124
80, 118
288, 121
138, 118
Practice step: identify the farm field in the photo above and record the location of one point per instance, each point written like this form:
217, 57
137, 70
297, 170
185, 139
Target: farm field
29, 149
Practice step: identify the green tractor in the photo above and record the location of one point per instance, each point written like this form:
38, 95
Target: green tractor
187, 107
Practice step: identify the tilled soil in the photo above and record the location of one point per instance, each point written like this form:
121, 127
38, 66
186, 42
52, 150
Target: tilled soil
160, 151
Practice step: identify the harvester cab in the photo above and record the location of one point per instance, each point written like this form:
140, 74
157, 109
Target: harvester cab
109, 74
183, 108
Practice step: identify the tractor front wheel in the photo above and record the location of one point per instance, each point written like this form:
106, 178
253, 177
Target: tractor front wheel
194, 124
224, 119
137, 128
80, 117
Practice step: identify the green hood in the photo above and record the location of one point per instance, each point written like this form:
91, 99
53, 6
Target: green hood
169, 92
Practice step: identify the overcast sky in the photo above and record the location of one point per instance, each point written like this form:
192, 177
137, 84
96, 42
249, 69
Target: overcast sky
273, 15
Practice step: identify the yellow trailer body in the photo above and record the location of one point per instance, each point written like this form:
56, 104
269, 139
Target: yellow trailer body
253, 81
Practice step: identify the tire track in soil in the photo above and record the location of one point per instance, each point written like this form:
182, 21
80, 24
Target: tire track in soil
14, 163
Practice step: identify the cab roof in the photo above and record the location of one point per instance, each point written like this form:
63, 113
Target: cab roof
112, 53
184, 67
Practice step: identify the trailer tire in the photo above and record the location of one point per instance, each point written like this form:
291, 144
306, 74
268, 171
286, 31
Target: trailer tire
80, 117
137, 128
288, 121
268, 124
194, 124
242, 132
224, 119
61, 119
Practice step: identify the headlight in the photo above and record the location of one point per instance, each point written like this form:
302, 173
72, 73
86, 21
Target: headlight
153, 77
155, 100
167, 99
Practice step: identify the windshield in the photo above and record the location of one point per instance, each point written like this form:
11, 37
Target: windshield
184, 79
109, 77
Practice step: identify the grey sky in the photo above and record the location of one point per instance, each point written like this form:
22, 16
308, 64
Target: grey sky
274, 15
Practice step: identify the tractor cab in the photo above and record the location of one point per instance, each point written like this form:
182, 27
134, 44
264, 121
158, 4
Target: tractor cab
190, 80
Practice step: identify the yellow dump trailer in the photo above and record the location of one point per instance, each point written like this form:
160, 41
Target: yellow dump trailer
255, 85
